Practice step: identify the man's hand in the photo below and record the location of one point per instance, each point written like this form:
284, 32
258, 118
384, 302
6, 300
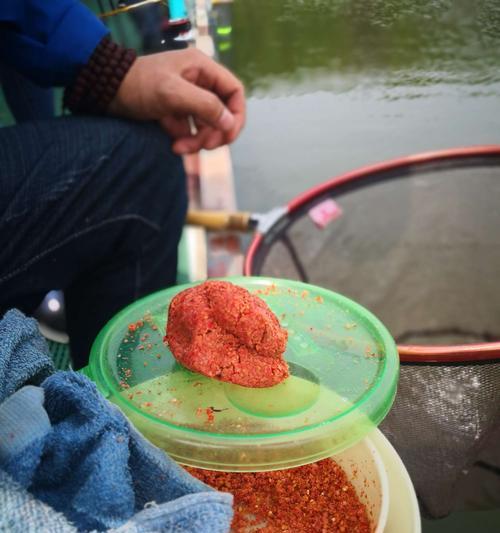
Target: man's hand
172, 86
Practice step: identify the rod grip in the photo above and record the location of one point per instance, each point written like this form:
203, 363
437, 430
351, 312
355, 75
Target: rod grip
220, 220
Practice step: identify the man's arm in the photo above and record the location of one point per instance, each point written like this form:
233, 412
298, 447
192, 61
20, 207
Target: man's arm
62, 43
48, 40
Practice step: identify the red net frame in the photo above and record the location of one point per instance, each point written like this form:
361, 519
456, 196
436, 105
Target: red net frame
458, 353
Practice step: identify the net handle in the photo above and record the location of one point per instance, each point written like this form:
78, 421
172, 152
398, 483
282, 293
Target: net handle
220, 220
408, 353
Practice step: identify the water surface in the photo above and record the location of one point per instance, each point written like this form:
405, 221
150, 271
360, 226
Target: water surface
335, 84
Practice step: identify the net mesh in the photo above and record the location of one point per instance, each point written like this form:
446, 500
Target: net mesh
421, 249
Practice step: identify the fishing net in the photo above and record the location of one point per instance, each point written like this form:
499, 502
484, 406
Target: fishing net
418, 243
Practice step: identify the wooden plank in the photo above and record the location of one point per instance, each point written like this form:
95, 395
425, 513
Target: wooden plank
212, 180
216, 179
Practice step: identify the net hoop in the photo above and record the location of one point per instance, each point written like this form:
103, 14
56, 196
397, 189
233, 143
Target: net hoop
460, 353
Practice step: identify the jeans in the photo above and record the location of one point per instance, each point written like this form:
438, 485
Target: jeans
91, 206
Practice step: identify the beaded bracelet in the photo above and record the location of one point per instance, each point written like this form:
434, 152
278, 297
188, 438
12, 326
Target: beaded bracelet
99, 80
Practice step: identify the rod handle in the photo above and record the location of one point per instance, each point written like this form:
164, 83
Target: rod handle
220, 220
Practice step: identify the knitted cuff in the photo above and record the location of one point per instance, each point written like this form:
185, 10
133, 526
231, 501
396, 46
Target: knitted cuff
99, 80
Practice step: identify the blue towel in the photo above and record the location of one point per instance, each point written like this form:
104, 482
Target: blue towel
76, 452
22, 513
24, 354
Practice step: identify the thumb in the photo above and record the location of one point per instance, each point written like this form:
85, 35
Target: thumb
203, 105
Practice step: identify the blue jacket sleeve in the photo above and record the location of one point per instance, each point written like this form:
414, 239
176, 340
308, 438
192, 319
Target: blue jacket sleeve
48, 40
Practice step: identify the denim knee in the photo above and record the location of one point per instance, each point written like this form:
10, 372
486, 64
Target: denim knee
156, 180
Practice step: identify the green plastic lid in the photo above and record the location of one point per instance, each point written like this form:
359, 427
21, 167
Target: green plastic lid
343, 365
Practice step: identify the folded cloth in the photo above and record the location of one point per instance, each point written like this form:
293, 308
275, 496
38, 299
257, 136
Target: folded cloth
85, 460
23, 422
22, 513
24, 354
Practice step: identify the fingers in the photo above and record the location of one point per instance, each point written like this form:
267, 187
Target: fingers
185, 142
236, 104
204, 105
218, 79
212, 95
229, 89
177, 127
207, 138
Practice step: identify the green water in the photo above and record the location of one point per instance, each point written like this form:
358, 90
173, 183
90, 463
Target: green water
334, 84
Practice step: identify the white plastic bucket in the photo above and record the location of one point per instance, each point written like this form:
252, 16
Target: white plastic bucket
404, 514
365, 470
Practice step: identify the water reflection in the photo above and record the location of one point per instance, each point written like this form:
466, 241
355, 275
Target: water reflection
296, 46
336, 84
